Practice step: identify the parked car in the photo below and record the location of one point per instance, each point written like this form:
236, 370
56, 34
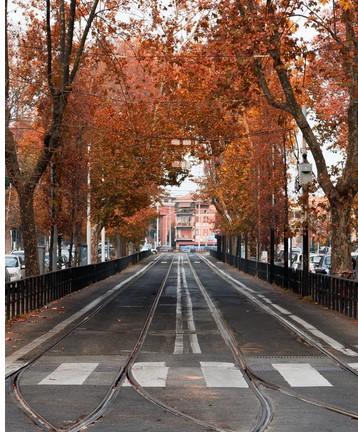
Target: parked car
165, 249
20, 254
154, 251
324, 266
315, 259
62, 262
296, 261
184, 249
313, 263
14, 267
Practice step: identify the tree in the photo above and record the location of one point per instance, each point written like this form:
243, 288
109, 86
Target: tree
286, 57
259, 38
52, 71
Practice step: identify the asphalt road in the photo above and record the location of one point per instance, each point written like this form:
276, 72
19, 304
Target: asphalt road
202, 354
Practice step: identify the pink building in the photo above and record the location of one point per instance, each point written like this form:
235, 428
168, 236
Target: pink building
185, 221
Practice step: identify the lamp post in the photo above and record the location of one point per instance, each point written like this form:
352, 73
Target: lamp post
199, 226
170, 227
88, 211
305, 179
157, 235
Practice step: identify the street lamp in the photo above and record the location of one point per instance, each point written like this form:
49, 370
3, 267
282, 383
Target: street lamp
305, 179
157, 235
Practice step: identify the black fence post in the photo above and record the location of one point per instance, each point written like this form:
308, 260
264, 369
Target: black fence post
272, 255
238, 247
218, 246
223, 239
285, 257
246, 252
239, 241
305, 263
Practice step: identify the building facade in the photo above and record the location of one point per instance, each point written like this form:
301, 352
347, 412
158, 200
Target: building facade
185, 221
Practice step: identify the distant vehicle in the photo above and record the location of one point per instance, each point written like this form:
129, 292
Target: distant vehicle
14, 267
324, 266
184, 248
20, 254
62, 262
165, 249
315, 259
296, 261
146, 247
313, 263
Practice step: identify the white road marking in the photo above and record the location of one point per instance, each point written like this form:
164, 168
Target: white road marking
333, 343
164, 262
301, 375
179, 338
353, 365
196, 262
194, 343
12, 360
330, 341
242, 288
69, 374
218, 374
266, 300
281, 309
150, 374
303, 323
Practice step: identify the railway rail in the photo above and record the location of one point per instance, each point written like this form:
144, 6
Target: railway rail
302, 335
256, 383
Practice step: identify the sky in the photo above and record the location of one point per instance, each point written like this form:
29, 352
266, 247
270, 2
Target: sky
332, 158
189, 184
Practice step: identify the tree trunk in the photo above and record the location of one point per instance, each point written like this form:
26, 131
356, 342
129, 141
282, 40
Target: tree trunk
117, 246
26, 203
123, 247
96, 229
341, 231
77, 242
70, 249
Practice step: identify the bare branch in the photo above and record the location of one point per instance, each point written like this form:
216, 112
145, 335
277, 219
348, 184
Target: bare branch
296, 111
83, 41
69, 42
62, 41
49, 46
266, 90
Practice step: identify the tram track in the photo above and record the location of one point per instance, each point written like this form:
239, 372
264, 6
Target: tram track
255, 382
125, 372
14, 378
238, 286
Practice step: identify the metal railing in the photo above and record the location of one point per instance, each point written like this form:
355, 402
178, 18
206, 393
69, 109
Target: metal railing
335, 293
31, 293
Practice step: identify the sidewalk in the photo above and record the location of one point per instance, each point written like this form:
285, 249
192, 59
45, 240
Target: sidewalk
43, 326
333, 324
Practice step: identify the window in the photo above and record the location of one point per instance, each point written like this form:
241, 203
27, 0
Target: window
11, 262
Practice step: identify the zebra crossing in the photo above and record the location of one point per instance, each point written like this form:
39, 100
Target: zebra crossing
204, 374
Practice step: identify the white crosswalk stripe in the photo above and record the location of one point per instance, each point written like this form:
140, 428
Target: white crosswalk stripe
301, 375
222, 375
353, 365
209, 374
149, 374
69, 374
